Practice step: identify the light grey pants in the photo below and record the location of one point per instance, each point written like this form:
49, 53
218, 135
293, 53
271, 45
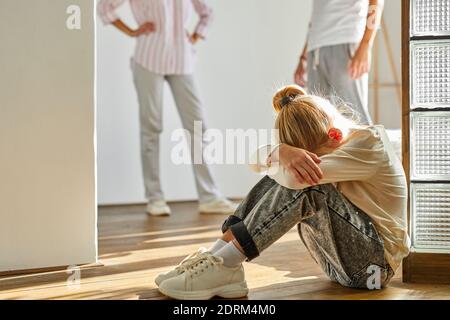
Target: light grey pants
149, 87
328, 75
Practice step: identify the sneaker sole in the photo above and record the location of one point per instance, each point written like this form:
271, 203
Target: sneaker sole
230, 291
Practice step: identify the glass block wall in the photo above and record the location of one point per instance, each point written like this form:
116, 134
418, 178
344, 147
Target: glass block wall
430, 17
430, 125
429, 76
431, 223
430, 146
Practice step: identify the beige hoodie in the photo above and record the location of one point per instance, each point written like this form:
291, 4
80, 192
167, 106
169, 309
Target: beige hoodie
369, 174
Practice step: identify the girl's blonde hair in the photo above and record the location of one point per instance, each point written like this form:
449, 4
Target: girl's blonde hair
304, 120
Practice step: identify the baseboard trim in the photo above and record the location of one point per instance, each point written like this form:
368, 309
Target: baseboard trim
118, 205
25, 272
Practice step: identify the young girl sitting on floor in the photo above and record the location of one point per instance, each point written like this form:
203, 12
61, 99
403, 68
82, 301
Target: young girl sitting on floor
340, 183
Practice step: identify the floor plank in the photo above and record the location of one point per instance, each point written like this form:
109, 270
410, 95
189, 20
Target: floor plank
134, 248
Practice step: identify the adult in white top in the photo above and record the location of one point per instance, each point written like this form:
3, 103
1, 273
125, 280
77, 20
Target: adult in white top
336, 58
165, 52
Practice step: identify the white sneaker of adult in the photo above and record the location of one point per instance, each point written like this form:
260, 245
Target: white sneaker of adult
218, 206
158, 208
206, 278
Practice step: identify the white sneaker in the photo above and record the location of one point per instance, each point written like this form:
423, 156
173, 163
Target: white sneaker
179, 269
158, 208
207, 278
222, 206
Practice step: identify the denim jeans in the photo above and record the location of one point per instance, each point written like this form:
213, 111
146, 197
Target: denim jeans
340, 237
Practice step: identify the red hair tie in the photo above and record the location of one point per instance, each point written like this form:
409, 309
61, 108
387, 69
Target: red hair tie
335, 134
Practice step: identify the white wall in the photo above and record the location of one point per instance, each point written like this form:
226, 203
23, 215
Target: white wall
252, 49
390, 107
47, 171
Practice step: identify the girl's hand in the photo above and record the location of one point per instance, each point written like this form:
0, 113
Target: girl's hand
302, 164
361, 61
144, 29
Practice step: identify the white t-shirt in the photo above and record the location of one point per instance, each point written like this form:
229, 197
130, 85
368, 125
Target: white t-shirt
337, 22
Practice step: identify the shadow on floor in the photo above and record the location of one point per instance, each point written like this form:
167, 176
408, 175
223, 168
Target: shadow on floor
60, 278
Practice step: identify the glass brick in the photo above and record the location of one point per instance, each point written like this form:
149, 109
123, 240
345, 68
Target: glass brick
430, 74
430, 216
430, 17
430, 146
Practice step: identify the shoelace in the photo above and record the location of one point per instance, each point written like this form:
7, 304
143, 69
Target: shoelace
199, 264
203, 262
190, 260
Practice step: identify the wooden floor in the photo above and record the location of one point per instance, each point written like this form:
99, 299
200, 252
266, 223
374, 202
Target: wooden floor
134, 248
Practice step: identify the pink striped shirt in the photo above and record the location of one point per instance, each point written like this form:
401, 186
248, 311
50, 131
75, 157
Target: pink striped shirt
168, 50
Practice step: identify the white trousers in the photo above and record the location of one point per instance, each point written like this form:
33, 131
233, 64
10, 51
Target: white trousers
149, 87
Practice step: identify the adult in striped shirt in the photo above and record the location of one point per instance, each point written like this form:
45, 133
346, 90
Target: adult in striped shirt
165, 52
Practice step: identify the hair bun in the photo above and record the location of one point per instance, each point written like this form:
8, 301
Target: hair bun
286, 95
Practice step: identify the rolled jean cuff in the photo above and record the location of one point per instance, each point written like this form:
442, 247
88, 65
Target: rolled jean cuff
242, 236
229, 222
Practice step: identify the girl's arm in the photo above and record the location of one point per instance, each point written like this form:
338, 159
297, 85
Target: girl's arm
301, 164
205, 14
356, 160
352, 162
338, 166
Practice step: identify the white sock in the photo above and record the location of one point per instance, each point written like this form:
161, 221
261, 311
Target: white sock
219, 244
231, 255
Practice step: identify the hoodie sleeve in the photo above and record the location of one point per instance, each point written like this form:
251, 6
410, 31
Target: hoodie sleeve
357, 160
